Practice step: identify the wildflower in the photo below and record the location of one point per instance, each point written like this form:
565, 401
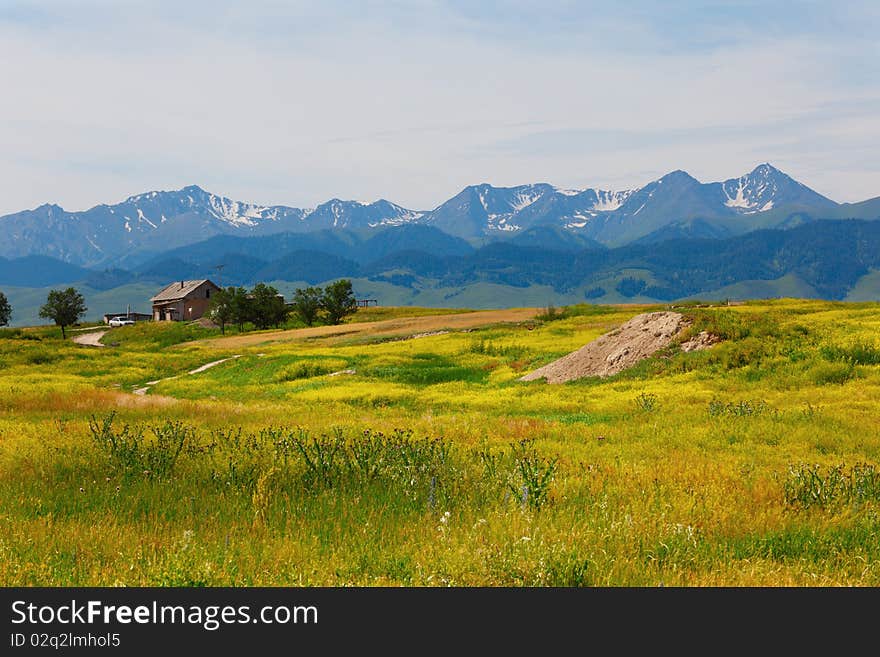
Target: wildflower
107, 480
82, 490
445, 517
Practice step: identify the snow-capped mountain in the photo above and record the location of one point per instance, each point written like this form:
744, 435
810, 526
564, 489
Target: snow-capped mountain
765, 188
487, 210
618, 217
161, 220
676, 205
484, 209
357, 214
154, 208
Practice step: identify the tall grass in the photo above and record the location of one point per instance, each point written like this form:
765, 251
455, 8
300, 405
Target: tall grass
428, 463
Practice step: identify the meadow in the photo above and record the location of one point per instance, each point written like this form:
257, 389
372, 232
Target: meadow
361, 457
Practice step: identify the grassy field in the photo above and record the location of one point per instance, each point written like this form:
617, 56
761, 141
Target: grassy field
357, 456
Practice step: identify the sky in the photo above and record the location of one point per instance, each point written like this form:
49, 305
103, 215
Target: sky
295, 103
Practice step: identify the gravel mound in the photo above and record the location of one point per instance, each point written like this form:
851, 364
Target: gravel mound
621, 348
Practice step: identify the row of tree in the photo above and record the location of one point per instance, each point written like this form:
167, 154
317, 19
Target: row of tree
263, 306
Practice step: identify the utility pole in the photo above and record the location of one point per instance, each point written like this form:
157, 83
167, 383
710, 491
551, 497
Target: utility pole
219, 269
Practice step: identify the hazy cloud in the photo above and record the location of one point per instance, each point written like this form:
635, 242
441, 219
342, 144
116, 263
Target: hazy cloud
297, 102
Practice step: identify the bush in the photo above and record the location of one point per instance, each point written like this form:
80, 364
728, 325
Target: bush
532, 475
810, 485
550, 313
646, 402
743, 408
131, 453
306, 369
831, 373
41, 357
857, 354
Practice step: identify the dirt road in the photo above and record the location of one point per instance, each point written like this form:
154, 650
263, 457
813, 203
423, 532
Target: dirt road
386, 328
206, 366
90, 339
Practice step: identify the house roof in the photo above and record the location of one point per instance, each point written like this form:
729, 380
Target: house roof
179, 290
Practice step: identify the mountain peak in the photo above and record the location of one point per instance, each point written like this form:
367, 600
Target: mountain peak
764, 169
678, 175
765, 188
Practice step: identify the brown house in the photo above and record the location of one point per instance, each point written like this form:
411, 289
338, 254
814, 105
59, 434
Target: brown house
183, 300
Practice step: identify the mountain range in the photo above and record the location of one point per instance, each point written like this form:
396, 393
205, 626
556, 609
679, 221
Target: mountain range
672, 207
760, 235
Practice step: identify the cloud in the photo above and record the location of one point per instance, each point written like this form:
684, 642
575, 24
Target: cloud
279, 102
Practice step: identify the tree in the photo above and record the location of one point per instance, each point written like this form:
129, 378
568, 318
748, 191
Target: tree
240, 306
221, 310
338, 301
64, 307
5, 310
307, 304
267, 306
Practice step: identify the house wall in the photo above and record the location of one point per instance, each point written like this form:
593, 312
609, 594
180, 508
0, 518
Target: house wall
195, 305
160, 312
194, 308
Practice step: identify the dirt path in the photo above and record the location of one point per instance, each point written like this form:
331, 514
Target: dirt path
206, 366
430, 324
92, 339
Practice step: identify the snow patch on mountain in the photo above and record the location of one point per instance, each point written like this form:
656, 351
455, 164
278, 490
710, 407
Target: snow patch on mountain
233, 212
738, 201
142, 217
525, 199
403, 217
482, 196
499, 222
753, 192
607, 201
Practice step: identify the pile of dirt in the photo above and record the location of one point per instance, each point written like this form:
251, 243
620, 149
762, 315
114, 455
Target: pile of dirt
206, 322
702, 340
621, 348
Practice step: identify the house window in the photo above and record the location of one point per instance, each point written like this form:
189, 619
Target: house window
207, 293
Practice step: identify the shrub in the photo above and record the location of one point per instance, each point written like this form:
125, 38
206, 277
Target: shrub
130, 452
646, 402
743, 408
306, 369
857, 354
41, 357
811, 485
532, 476
550, 313
831, 373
